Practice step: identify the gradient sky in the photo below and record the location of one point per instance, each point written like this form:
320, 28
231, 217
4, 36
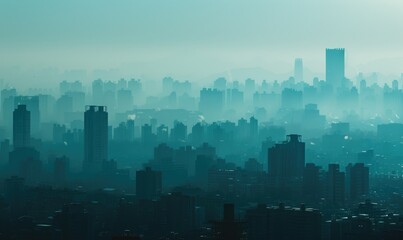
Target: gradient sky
198, 38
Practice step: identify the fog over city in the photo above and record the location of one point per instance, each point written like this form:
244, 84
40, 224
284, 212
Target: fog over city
213, 120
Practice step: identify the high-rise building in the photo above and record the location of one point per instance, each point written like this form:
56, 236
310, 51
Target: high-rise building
32, 105
298, 70
286, 163
357, 181
335, 72
291, 99
97, 91
220, 84
254, 128
148, 184
311, 182
21, 127
335, 186
95, 138
179, 132
287, 159
211, 103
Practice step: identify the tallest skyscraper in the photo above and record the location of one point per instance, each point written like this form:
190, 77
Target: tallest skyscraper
95, 138
335, 67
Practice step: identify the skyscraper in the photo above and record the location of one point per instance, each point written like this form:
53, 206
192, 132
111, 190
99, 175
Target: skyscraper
298, 70
148, 184
335, 66
95, 138
21, 127
208, 98
335, 186
357, 181
287, 159
32, 105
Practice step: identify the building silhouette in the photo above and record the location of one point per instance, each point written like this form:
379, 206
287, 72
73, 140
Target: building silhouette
286, 163
298, 70
32, 105
357, 181
335, 186
311, 187
148, 184
291, 99
21, 127
211, 97
95, 138
335, 72
287, 159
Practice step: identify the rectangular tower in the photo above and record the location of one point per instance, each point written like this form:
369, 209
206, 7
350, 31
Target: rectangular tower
21, 127
287, 159
298, 70
95, 138
335, 72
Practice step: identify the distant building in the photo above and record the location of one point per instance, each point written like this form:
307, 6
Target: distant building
211, 103
291, 99
357, 181
235, 98
95, 138
335, 186
286, 163
220, 84
179, 132
335, 69
148, 184
21, 127
58, 133
311, 186
287, 159
298, 70
32, 105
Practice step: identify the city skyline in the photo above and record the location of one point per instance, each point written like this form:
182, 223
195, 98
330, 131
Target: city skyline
152, 39
201, 120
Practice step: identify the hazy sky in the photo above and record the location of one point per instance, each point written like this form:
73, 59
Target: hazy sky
196, 38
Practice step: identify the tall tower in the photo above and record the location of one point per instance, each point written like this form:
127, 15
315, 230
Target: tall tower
335, 72
287, 159
298, 70
32, 105
335, 186
95, 138
148, 184
21, 127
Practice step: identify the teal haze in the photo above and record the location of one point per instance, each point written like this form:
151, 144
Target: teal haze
198, 39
